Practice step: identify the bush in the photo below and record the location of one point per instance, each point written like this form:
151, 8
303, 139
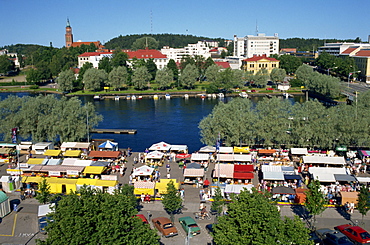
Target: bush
296, 83
34, 87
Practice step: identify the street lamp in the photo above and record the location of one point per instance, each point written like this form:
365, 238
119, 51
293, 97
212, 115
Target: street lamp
331, 68
349, 75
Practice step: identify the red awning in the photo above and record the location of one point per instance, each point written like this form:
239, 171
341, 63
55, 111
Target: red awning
243, 168
183, 155
267, 152
241, 175
104, 154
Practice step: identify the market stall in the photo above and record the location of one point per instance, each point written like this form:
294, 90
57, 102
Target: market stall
243, 173
161, 186
72, 153
236, 189
324, 161
179, 148
53, 153
161, 146
108, 146
349, 197
83, 146
42, 147
207, 149
241, 149
144, 187
191, 175
224, 171
143, 172
225, 158
199, 157
104, 154
4, 205
154, 156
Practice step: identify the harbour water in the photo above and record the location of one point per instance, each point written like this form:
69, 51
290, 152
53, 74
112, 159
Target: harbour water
174, 120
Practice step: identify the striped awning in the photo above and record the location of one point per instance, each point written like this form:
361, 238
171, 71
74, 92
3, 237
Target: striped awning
194, 172
224, 171
144, 184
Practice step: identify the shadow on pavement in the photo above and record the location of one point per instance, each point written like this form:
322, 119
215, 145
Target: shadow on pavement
301, 211
343, 213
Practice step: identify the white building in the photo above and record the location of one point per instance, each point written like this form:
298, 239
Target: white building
338, 48
191, 50
261, 44
94, 58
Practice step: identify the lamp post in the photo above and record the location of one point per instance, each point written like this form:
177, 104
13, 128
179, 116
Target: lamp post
349, 75
331, 69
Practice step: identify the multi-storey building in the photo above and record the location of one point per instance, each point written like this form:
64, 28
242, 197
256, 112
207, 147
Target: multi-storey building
259, 62
191, 50
248, 46
338, 48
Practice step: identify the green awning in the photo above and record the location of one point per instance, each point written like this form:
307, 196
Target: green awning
341, 148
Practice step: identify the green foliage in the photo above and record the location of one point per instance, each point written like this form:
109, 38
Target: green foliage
278, 75
288, 62
105, 64
342, 66
152, 68
45, 118
33, 76
172, 201
118, 77
261, 77
164, 78
6, 64
65, 80
315, 199
43, 193
141, 78
119, 58
252, 219
363, 204
94, 79
188, 76
218, 201
34, 86
304, 72
145, 42
172, 65
93, 217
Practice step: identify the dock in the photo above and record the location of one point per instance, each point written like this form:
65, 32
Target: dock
113, 131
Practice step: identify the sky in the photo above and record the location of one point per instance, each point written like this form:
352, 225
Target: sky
44, 21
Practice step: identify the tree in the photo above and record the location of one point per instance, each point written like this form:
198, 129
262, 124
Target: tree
218, 201
90, 216
188, 76
119, 58
94, 79
252, 219
228, 79
212, 73
33, 76
118, 77
261, 77
277, 75
65, 80
363, 204
140, 78
78, 83
288, 62
105, 64
172, 65
152, 68
145, 42
6, 65
164, 78
315, 199
43, 193
172, 201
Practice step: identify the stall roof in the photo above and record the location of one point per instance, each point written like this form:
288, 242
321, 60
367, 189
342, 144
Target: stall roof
271, 168
329, 170
324, 177
199, 157
143, 171
266, 151
241, 149
104, 154
5, 150
78, 162
69, 161
292, 176
161, 186
193, 165
94, 170
243, 175
41, 145
193, 172
31, 179
208, 149
283, 190
161, 146
323, 160
243, 168
52, 153
144, 184
155, 155
35, 161
179, 147
344, 177
242, 158
226, 149
100, 163
52, 162
59, 168
226, 170
72, 153
298, 151
349, 194
273, 176
76, 145
364, 153
363, 179
237, 188
225, 157
109, 183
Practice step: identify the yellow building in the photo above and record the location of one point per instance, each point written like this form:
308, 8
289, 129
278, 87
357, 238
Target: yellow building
259, 62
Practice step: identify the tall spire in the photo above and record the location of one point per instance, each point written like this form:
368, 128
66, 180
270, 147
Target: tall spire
68, 25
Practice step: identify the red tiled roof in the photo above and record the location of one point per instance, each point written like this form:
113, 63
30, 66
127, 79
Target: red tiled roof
260, 57
223, 64
146, 54
363, 53
349, 50
214, 50
78, 44
88, 54
75, 70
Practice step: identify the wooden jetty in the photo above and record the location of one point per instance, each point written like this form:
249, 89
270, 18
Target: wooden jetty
113, 131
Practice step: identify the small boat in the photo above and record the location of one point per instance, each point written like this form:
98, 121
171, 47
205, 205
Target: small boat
128, 97
214, 96
186, 96
168, 96
97, 97
220, 95
202, 96
155, 97
133, 97
116, 98
139, 97
243, 95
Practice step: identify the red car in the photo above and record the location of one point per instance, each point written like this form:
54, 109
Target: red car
142, 217
355, 233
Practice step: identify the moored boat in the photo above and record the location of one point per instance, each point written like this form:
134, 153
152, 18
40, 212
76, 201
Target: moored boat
116, 98
168, 96
155, 97
98, 97
133, 97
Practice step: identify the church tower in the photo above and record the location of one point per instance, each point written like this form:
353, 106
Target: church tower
69, 35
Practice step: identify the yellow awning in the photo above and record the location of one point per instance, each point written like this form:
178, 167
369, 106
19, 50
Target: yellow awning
35, 160
86, 181
241, 149
145, 191
94, 169
52, 153
110, 183
72, 153
31, 179
162, 185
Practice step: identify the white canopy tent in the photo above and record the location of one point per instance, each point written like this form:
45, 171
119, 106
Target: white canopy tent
225, 170
324, 160
273, 176
155, 155
225, 157
237, 188
199, 157
208, 149
161, 146
109, 145
298, 151
242, 158
363, 179
194, 172
271, 168
179, 148
143, 171
225, 149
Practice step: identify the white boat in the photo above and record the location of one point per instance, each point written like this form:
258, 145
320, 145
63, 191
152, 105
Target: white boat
168, 96
97, 97
128, 97
155, 97
133, 97
116, 98
139, 97
186, 96
243, 94
220, 95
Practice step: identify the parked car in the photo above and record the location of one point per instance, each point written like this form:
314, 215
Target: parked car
354, 233
143, 218
332, 237
189, 225
165, 226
